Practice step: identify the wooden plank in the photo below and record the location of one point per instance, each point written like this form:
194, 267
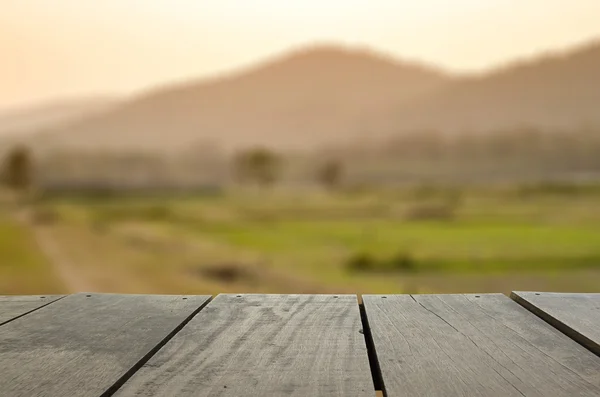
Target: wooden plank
263, 345
474, 345
576, 315
86, 345
13, 307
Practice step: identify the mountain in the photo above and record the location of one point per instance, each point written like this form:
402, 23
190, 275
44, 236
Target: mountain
327, 94
555, 91
305, 97
54, 113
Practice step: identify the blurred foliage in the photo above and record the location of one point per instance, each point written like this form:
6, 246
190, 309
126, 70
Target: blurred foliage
366, 263
17, 169
421, 158
259, 165
330, 174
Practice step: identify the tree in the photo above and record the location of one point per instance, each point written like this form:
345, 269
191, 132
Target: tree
258, 165
330, 174
17, 170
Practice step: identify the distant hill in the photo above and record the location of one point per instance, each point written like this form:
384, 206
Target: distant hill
556, 91
33, 118
326, 94
305, 97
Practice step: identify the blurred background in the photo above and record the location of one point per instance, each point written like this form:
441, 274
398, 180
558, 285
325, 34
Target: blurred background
358, 146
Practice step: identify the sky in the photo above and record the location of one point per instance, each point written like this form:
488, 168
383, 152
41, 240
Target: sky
66, 48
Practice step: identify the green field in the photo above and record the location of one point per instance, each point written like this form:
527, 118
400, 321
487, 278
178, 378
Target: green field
408, 240
23, 268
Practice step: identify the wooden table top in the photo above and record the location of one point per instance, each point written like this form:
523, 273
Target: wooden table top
535, 344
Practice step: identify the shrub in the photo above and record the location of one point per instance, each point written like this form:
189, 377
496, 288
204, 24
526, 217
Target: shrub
361, 262
404, 262
228, 272
156, 213
364, 262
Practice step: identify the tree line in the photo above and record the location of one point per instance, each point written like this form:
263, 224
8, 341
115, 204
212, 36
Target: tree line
424, 157
258, 166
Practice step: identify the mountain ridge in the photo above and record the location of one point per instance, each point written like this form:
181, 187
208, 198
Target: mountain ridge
555, 91
49, 112
318, 95
273, 96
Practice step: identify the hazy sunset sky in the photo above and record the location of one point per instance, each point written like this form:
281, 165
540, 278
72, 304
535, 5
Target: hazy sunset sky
60, 48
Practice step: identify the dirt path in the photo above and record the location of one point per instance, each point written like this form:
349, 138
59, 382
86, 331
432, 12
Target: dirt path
63, 267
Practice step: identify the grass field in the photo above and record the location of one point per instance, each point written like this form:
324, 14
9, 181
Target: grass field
410, 240
23, 268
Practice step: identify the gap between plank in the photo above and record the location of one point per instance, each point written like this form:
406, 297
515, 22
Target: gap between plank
557, 324
121, 381
33, 310
372, 354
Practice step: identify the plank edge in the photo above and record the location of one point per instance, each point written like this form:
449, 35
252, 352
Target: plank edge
56, 299
575, 335
376, 373
141, 362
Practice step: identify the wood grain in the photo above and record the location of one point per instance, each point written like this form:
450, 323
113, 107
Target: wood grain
474, 345
263, 345
13, 307
86, 345
576, 315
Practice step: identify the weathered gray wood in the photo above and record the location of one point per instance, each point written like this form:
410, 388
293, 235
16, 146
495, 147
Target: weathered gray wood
474, 345
263, 345
13, 307
576, 315
84, 345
